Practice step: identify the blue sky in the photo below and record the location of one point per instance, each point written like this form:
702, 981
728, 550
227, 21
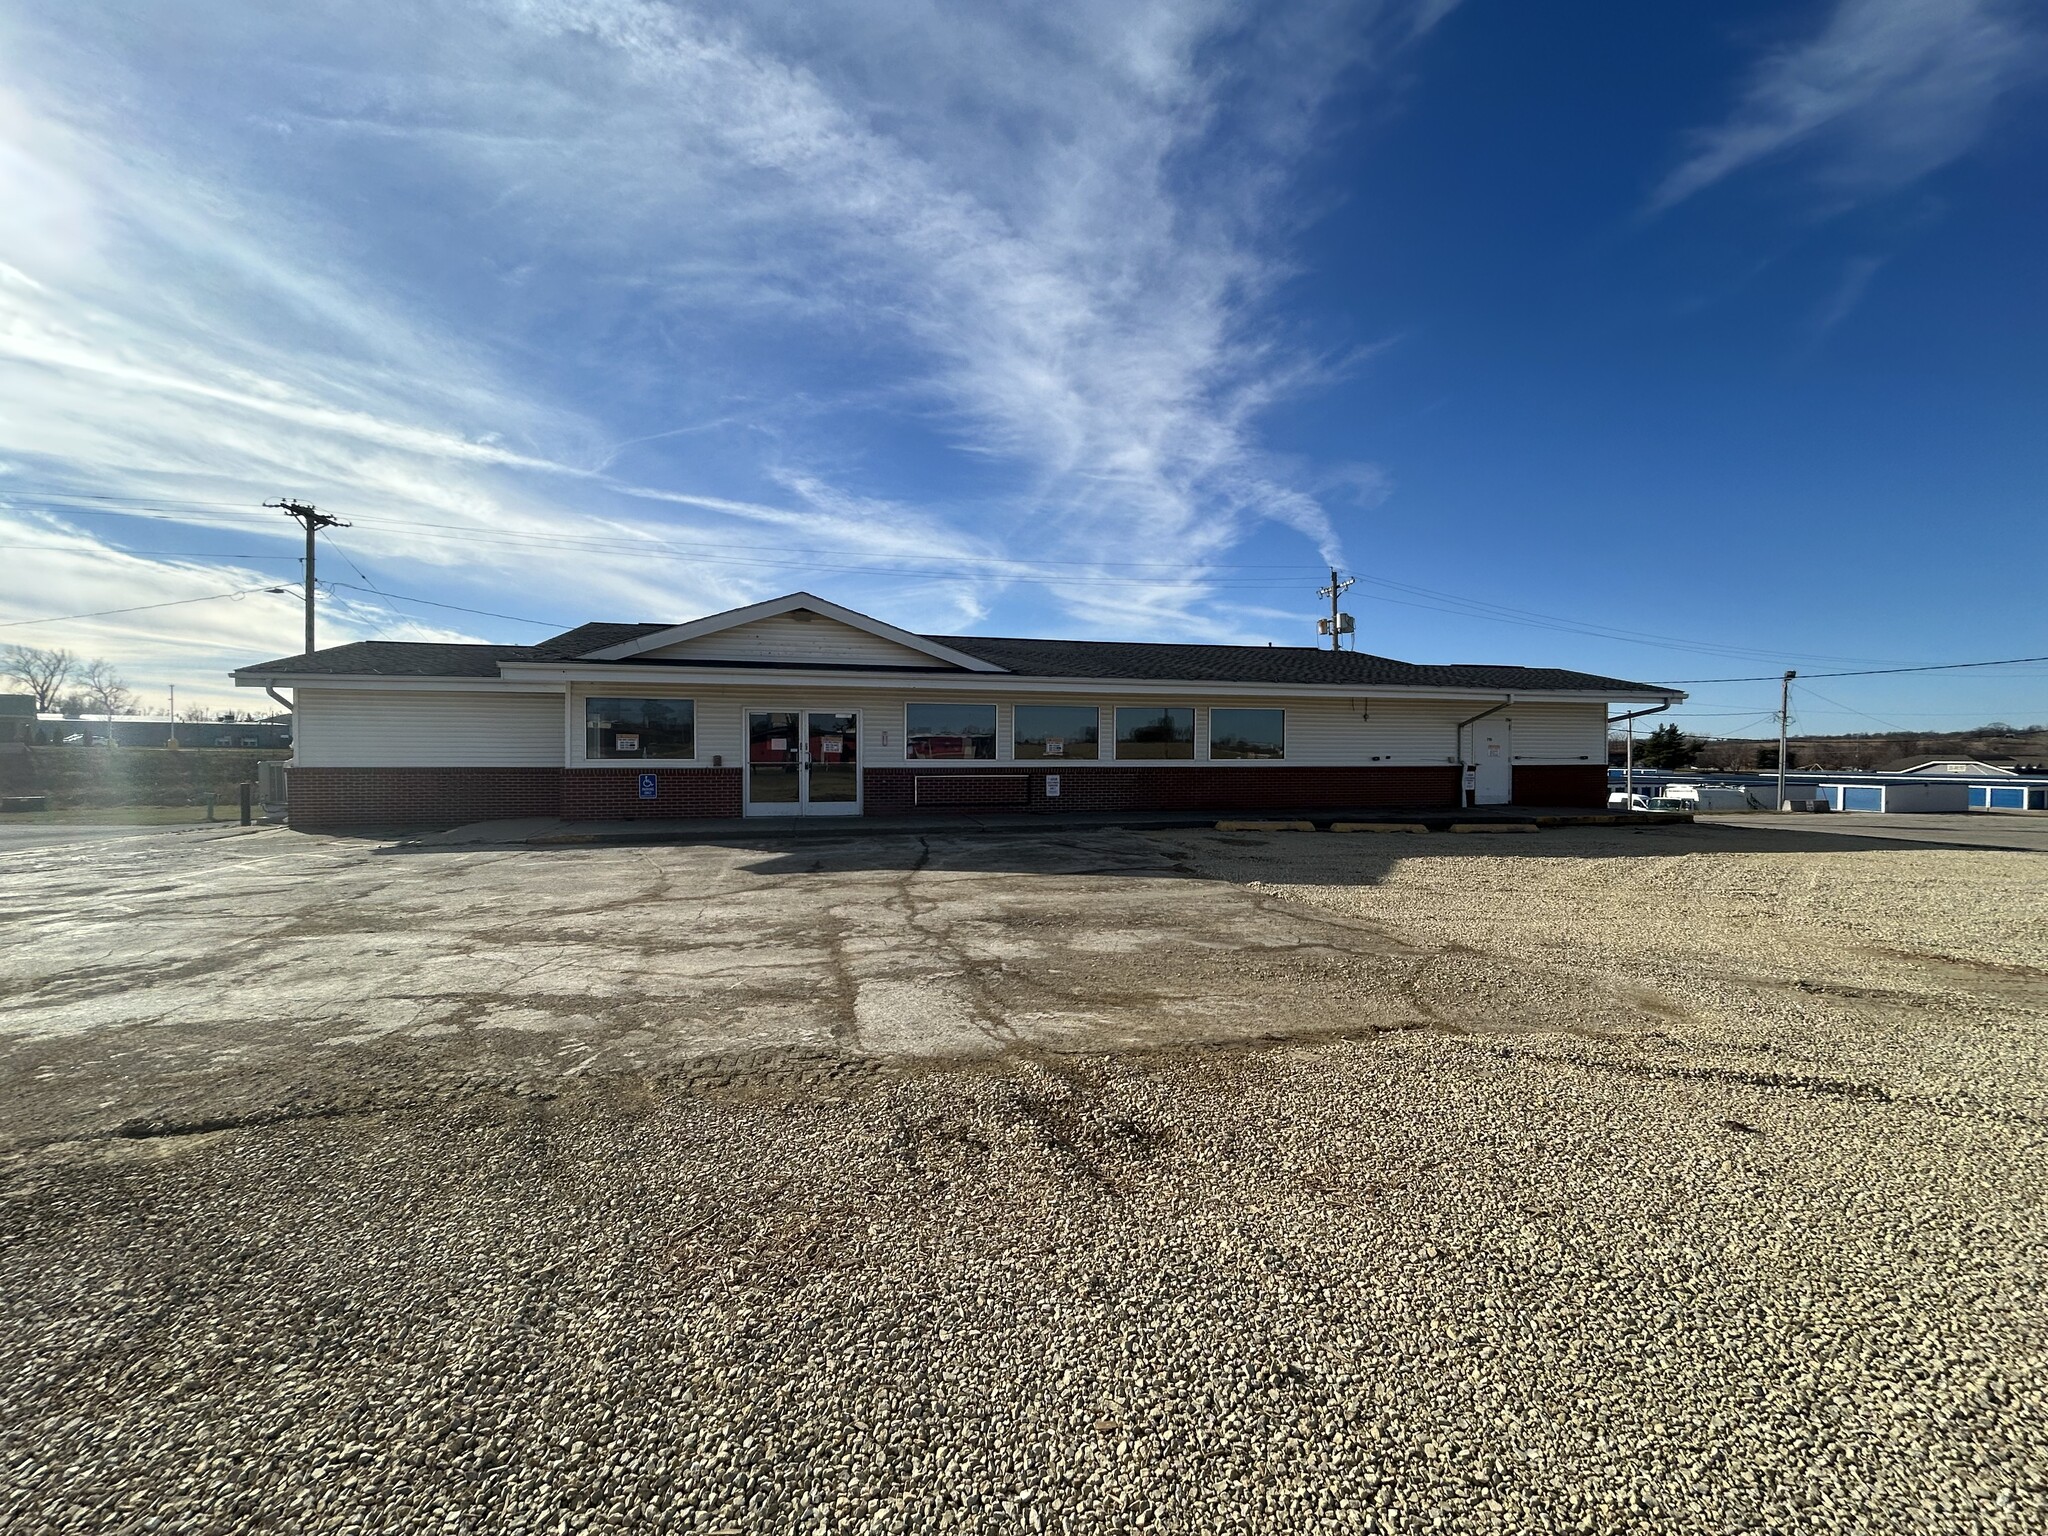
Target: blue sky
1708, 339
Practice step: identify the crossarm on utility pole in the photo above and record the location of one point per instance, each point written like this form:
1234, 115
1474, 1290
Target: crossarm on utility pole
312, 519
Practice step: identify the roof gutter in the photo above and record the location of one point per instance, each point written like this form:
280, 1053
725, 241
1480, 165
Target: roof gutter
1460, 741
289, 707
1637, 714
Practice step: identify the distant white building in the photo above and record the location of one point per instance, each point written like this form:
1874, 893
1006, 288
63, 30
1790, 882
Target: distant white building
1973, 767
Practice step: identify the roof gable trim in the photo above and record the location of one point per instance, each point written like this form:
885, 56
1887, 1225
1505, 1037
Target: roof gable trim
792, 603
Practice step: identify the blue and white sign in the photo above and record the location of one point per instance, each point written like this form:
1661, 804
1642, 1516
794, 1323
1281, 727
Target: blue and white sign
647, 789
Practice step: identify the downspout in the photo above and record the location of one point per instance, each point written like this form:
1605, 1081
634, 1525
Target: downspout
1628, 770
291, 709
1460, 742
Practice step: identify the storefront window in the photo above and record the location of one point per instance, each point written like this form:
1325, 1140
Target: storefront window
1058, 730
949, 730
665, 728
1247, 733
1155, 731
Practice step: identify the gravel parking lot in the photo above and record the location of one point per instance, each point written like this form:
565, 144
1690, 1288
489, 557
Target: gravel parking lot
1671, 1179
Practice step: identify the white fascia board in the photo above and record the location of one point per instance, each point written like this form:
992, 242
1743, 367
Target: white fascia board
1012, 682
790, 603
364, 680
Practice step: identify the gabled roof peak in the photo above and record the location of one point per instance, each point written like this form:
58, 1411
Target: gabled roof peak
777, 607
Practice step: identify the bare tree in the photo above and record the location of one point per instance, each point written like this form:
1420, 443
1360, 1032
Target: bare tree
105, 693
196, 712
43, 673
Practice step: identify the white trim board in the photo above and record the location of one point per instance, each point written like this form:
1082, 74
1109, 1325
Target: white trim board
1017, 682
793, 602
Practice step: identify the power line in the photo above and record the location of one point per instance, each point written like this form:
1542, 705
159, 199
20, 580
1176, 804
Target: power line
1852, 710
1944, 666
65, 618
346, 557
397, 597
1479, 608
183, 501
164, 554
642, 542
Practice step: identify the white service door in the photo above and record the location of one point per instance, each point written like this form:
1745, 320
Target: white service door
1493, 750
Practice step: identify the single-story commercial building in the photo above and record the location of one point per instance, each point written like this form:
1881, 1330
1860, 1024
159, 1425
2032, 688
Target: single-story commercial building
800, 707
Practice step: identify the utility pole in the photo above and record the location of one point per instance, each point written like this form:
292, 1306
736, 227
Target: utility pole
312, 519
1784, 724
1334, 626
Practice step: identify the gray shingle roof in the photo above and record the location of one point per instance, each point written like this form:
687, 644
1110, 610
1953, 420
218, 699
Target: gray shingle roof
585, 638
1253, 665
1277, 664
394, 658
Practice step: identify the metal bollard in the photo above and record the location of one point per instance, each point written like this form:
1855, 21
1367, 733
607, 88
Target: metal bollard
245, 788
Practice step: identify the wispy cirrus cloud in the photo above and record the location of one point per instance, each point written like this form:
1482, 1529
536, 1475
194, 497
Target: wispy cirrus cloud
1886, 92
905, 287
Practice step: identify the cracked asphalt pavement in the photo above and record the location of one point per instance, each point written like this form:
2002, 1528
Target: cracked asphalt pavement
1666, 1179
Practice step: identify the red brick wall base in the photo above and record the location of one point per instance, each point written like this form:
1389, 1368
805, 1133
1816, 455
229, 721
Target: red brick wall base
1582, 786
419, 797
325, 798
892, 791
613, 794
391, 797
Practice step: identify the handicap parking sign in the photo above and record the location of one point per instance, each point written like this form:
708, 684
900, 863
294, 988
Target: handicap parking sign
646, 786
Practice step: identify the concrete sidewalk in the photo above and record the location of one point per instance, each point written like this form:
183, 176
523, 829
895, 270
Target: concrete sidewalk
552, 832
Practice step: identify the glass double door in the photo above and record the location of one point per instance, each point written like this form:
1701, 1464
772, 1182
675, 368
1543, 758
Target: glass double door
803, 762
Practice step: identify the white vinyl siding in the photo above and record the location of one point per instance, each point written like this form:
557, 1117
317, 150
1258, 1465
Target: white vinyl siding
378, 728
1409, 732
788, 638
372, 727
1321, 732
1560, 732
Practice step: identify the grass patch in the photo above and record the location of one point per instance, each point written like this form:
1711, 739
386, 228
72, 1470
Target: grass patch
124, 816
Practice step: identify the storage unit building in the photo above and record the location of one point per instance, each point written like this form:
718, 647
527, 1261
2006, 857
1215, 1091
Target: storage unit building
1932, 798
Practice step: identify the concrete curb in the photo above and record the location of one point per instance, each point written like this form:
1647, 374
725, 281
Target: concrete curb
540, 832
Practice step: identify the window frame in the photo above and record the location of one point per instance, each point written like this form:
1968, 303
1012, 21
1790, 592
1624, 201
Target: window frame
1094, 709
1116, 733
1264, 709
995, 737
579, 727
